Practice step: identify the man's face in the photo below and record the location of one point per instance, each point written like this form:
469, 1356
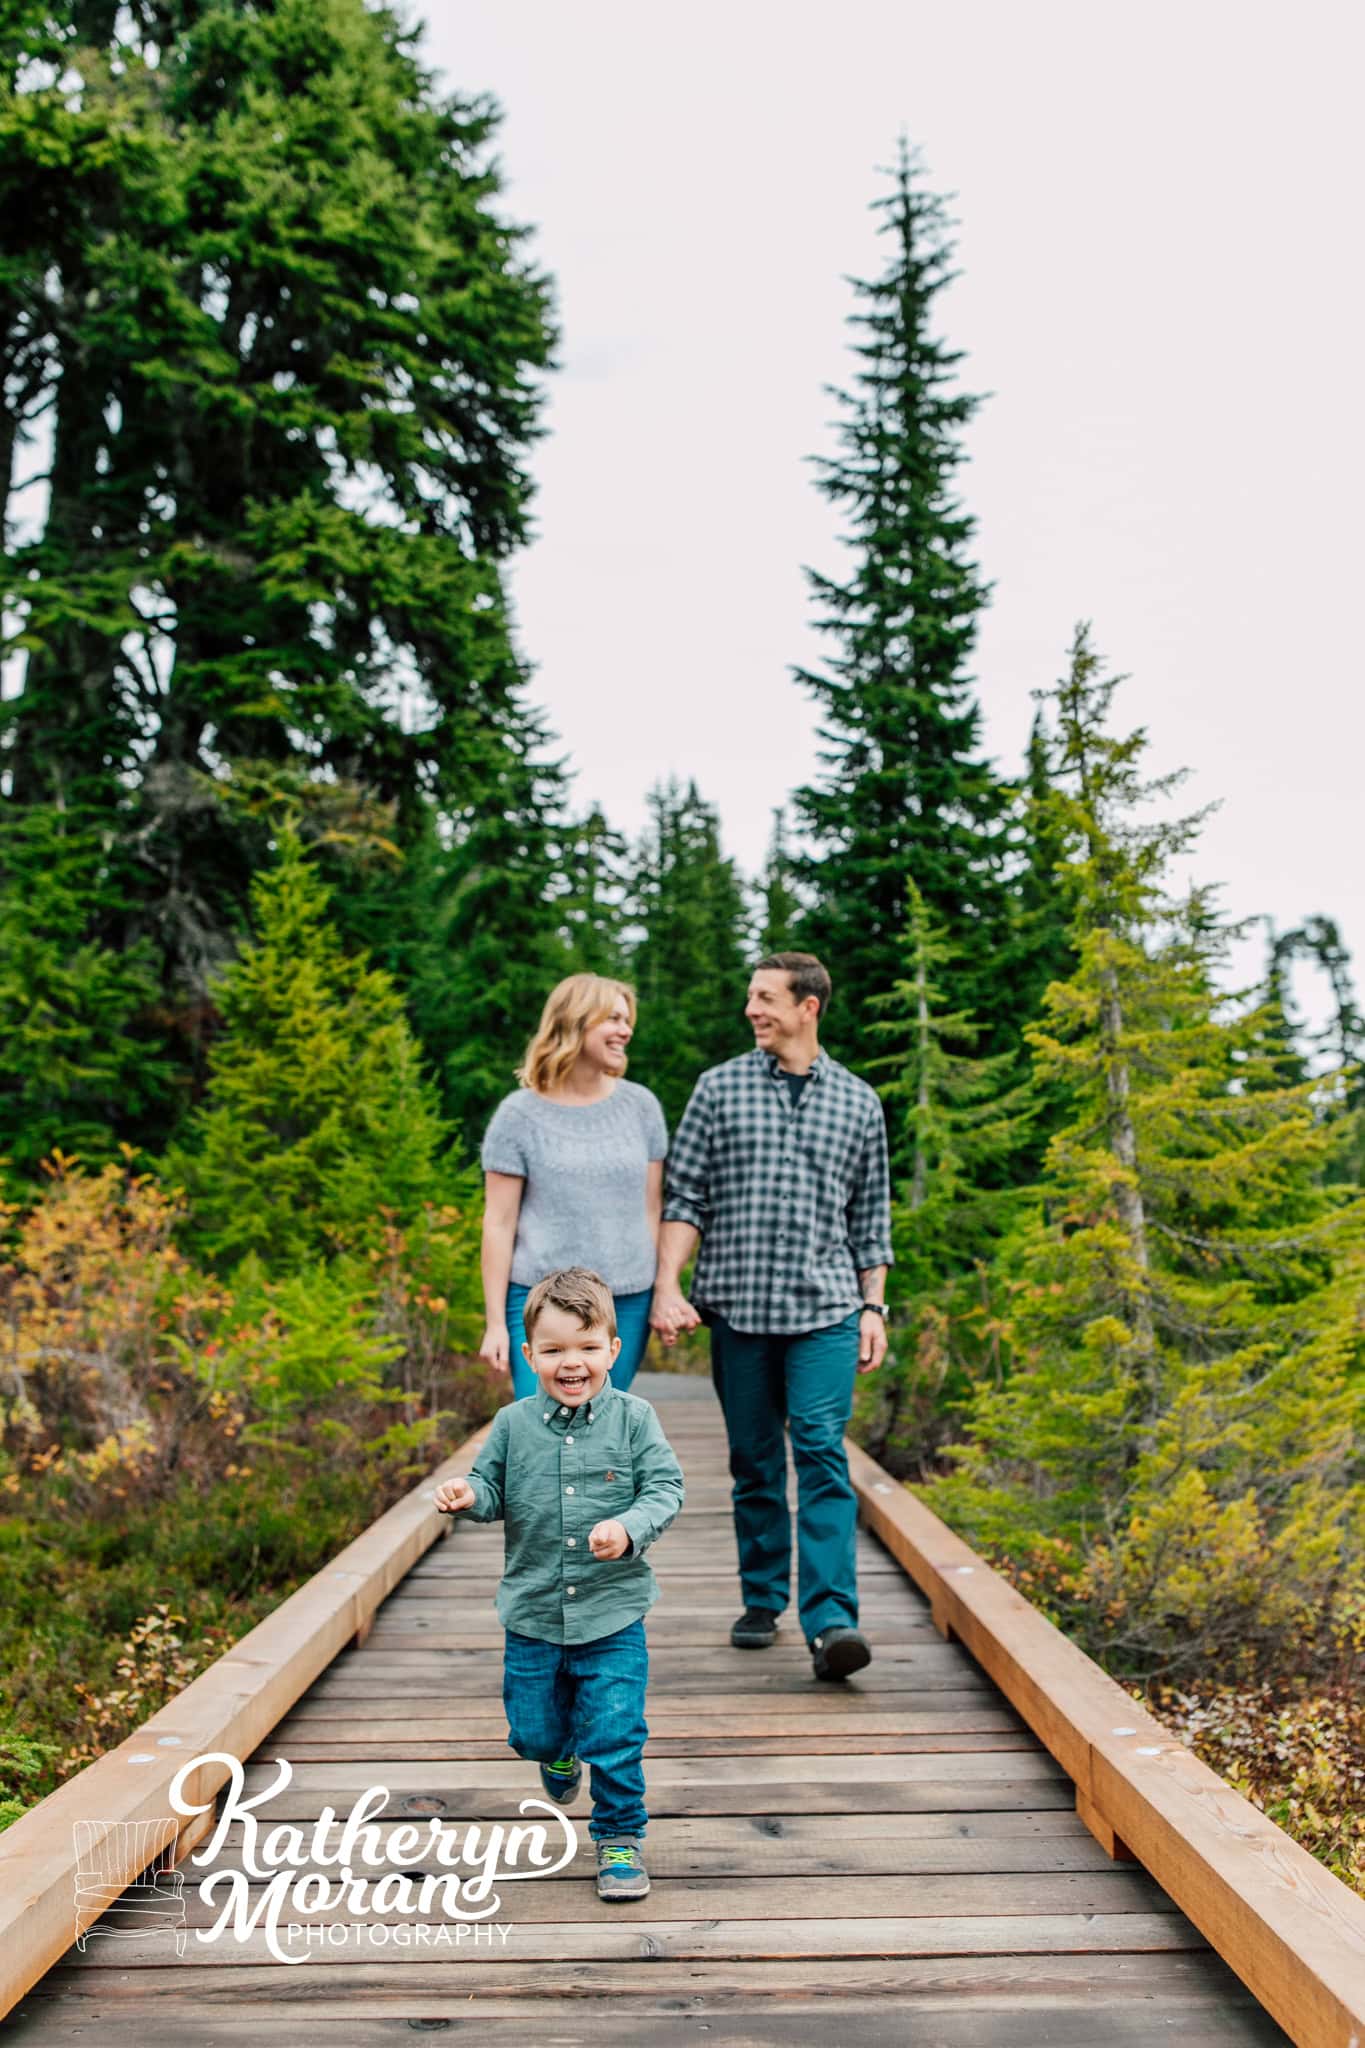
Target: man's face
570, 1361
772, 1009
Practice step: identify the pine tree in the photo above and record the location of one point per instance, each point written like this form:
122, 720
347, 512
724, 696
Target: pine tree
1175, 1438
1339, 1044
953, 1115
595, 906
84, 1058
288, 350
318, 1118
689, 964
905, 794
779, 901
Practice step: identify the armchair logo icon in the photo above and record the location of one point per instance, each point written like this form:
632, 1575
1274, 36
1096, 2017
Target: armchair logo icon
126, 1884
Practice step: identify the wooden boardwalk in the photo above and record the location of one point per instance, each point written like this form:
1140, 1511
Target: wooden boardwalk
894, 1859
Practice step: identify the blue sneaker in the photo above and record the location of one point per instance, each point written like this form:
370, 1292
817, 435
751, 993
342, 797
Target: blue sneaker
562, 1779
621, 1873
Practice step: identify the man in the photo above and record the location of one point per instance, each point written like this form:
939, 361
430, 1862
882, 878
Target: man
779, 1168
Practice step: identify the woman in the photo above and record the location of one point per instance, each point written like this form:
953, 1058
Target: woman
573, 1174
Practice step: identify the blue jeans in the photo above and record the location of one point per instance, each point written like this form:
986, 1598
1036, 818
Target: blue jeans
632, 1327
804, 1379
585, 1700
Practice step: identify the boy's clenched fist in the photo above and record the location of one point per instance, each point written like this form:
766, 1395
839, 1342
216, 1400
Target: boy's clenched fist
608, 1539
452, 1495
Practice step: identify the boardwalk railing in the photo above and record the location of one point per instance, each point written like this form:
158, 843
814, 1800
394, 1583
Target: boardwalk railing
1294, 1934
231, 1707
1291, 1931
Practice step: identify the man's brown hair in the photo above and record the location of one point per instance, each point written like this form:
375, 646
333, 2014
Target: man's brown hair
578, 1292
805, 974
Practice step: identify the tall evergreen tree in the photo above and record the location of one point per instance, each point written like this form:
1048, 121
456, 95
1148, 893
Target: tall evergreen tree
84, 1053
953, 1116
779, 900
690, 962
596, 904
318, 1117
256, 295
1339, 1044
905, 793
1175, 1437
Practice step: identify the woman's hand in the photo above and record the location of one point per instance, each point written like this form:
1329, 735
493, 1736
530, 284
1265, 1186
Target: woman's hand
453, 1496
496, 1347
608, 1539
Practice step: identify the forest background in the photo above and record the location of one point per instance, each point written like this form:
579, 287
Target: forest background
288, 863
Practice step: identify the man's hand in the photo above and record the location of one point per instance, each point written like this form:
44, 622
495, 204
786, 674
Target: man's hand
871, 1341
496, 1347
453, 1495
670, 1311
608, 1539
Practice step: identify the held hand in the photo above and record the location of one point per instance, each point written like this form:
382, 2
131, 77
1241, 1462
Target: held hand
871, 1342
495, 1349
453, 1495
671, 1311
608, 1539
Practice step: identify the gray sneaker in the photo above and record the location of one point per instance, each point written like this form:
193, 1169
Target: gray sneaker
621, 1873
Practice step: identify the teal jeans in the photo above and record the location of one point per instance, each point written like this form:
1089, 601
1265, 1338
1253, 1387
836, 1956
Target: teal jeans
804, 1380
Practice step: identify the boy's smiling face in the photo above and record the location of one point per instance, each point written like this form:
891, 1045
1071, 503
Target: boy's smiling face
570, 1359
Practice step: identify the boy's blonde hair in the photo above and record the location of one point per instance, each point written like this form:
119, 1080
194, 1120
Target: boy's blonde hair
572, 1007
578, 1292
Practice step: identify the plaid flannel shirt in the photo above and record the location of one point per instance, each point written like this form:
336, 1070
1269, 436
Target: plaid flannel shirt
792, 1203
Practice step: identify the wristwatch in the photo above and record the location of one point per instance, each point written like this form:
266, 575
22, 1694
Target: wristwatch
878, 1308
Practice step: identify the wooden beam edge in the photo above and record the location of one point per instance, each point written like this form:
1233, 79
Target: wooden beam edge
1292, 1932
231, 1706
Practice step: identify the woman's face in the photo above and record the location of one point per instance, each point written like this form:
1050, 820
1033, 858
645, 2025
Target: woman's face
604, 1044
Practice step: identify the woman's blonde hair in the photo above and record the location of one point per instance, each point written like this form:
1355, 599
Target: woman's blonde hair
572, 1007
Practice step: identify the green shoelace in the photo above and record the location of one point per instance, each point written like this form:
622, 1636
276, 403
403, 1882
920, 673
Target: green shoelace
616, 1852
566, 1766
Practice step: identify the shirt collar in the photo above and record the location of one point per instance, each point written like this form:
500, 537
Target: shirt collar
817, 1065
556, 1416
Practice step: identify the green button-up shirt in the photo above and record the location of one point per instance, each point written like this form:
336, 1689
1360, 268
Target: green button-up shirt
551, 1473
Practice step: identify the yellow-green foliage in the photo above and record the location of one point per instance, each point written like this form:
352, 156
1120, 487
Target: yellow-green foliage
1173, 1455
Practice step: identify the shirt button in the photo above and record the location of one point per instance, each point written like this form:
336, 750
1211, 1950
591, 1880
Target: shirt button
571, 1540
571, 1589
563, 1411
568, 1489
568, 1439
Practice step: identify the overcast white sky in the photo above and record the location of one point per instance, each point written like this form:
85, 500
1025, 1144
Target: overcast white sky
1159, 235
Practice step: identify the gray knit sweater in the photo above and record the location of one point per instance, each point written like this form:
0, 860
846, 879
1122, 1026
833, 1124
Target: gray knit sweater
584, 1165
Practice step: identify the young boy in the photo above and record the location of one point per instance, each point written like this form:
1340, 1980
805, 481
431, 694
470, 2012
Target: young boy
584, 1480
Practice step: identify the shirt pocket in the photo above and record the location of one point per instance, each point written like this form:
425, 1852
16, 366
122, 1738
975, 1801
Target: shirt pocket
608, 1486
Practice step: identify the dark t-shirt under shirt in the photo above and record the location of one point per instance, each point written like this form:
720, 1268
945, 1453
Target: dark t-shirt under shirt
795, 1083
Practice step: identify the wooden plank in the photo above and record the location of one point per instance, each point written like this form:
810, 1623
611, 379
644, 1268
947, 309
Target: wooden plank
617, 1938
477, 1675
378, 1755
825, 1705
314, 1786
1010, 1984
1294, 1933
967, 1895
731, 1846
775, 2021
437, 1724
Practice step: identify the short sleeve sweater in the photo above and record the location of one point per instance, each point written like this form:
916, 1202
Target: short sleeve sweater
585, 1166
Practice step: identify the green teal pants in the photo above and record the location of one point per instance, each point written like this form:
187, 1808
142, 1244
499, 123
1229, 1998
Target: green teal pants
804, 1380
